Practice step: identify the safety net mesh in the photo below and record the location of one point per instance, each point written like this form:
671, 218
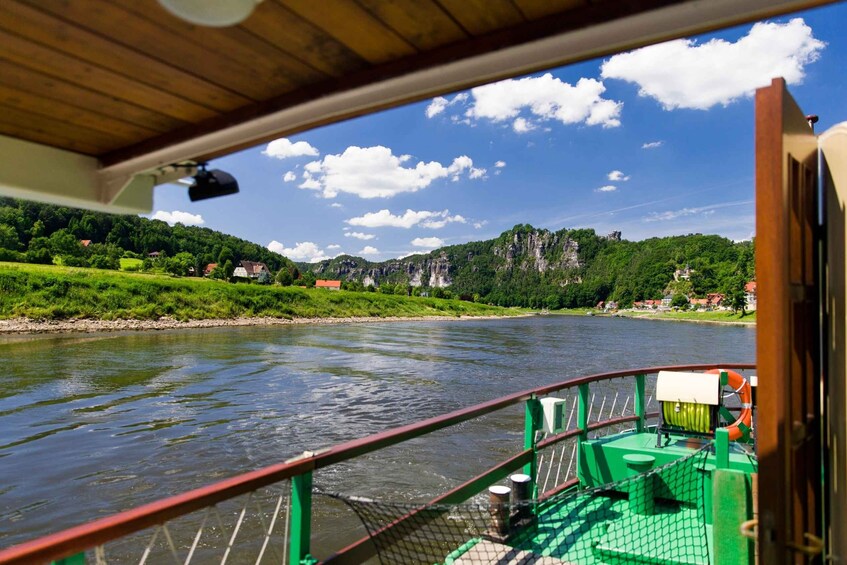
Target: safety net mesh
654, 517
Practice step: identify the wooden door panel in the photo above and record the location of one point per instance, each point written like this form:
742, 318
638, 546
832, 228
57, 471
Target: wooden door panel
788, 338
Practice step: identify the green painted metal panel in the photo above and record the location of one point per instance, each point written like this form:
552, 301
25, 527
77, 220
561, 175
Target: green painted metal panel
732, 504
78, 559
532, 424
301, 519
640, 405
582, 424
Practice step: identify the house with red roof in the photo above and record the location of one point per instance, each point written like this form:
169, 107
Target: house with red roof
329, 285
750, 295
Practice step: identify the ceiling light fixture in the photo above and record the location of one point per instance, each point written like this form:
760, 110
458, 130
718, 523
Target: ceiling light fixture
211, 184
212, 13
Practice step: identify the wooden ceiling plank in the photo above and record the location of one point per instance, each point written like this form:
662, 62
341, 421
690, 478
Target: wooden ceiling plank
420, 22
278, 69
46, 60
28, 102
299, 38
36, 127
353, 26
536, 9
484, 16
52, 88
54, 32
126, 28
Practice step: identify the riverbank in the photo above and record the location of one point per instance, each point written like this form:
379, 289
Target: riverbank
25, 326
715, 317
47, 297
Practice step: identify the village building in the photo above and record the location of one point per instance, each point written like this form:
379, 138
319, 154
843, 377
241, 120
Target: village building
250, 270
682, 274
85, 242
209, 268
154, 254
330, 285
666, 300
750, 295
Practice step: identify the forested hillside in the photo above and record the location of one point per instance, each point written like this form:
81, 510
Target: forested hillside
568, 268
41, 233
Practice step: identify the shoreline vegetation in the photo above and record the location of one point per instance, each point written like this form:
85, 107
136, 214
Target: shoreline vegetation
37, 299
722, 317
49, 298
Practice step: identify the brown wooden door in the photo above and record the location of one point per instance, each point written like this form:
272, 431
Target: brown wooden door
788, 338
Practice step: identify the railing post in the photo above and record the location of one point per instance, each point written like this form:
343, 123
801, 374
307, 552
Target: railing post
301, 519
582, 408
640, 405
532, 424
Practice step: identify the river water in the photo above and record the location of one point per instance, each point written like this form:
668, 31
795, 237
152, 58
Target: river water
94, 424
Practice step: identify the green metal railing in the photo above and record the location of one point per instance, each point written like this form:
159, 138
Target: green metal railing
69, 546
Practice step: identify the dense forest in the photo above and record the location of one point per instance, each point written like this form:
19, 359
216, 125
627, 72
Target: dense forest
524, 266
31, 232
538, 268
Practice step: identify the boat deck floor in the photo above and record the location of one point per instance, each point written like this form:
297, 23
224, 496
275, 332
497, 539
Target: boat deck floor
579, 530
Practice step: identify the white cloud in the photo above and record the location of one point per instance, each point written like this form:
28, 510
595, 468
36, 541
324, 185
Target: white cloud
426, 218
428, 242
607, 188
521, 125
360, 235
617, 176
500, 164
369, 250
479, 225
177, 217
438, 105
289, 176
335, 205
686, 74
305, 251
652, 144
333, 246
477, 173
683, 212
544, 98
282, 148
375, 172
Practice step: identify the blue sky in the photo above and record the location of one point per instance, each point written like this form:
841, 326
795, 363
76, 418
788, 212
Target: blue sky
654, 142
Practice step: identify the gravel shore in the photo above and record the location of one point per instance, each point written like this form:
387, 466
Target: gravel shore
27, 326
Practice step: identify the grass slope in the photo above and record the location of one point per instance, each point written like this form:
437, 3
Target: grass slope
52, 292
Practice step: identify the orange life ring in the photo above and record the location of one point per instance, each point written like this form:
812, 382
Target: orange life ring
742, 386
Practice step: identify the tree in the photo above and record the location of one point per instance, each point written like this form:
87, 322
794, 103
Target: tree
737, 297
179, 264
9, 238
283, 277
225, 255
228, 269
264, 278
679, 301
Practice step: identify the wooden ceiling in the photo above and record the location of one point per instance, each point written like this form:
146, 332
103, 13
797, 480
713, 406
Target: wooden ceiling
121, 79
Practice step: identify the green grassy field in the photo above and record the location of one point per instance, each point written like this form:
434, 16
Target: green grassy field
55, 293
717, 316
129, 264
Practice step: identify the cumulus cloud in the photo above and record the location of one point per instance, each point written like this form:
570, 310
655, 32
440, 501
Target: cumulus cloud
335, 205
652, 144
282, 148
289, 176
428, 242
532, 100
333, 246
438, 105
177, 217
607, 188
426, 218
369, 250
479, 225
305, 251
617, 176
375, 172
500, 164
360, 235
686, 74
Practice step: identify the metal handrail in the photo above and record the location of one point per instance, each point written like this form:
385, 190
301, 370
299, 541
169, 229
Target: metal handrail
80, 538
